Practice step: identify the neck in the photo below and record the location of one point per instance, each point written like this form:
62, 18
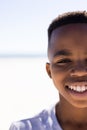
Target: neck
66, 113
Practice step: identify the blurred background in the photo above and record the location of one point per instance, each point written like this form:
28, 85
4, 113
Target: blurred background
25, 88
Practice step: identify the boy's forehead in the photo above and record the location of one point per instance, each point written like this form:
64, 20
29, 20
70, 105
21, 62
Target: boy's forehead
65, 30
72, 37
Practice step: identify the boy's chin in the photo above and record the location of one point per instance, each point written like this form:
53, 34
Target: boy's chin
79, 105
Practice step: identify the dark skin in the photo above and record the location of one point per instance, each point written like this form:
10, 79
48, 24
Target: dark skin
68, 67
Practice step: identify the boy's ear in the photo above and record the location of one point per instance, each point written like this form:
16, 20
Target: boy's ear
48, 69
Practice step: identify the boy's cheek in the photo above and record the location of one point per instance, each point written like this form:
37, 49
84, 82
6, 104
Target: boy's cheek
58, 70
65, 70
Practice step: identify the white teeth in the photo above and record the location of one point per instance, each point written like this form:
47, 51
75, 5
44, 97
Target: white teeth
83, 88
78, 88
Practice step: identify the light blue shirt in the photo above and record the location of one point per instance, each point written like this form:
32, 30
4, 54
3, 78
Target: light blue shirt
46, 120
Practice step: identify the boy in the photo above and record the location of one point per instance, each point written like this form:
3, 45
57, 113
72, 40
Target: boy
67, 67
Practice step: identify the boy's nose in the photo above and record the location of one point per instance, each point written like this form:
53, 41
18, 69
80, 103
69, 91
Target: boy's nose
80, 70
78, 73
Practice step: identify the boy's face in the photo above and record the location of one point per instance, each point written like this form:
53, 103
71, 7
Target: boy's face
68, 63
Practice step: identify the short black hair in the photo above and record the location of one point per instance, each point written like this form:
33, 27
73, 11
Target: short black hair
67, 18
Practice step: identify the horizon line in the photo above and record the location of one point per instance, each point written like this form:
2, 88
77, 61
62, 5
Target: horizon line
10, 55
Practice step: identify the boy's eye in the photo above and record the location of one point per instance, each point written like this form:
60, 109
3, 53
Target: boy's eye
64, 61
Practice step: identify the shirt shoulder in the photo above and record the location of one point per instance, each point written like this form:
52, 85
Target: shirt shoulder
45, 120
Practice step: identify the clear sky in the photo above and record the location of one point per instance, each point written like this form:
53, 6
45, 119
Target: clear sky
24, 23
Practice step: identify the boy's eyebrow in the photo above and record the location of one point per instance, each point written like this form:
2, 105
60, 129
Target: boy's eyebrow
63, 52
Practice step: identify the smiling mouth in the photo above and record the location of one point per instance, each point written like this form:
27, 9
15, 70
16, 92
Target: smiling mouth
77, 88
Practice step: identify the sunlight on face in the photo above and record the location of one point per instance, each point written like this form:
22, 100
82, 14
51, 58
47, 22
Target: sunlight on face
68, 63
